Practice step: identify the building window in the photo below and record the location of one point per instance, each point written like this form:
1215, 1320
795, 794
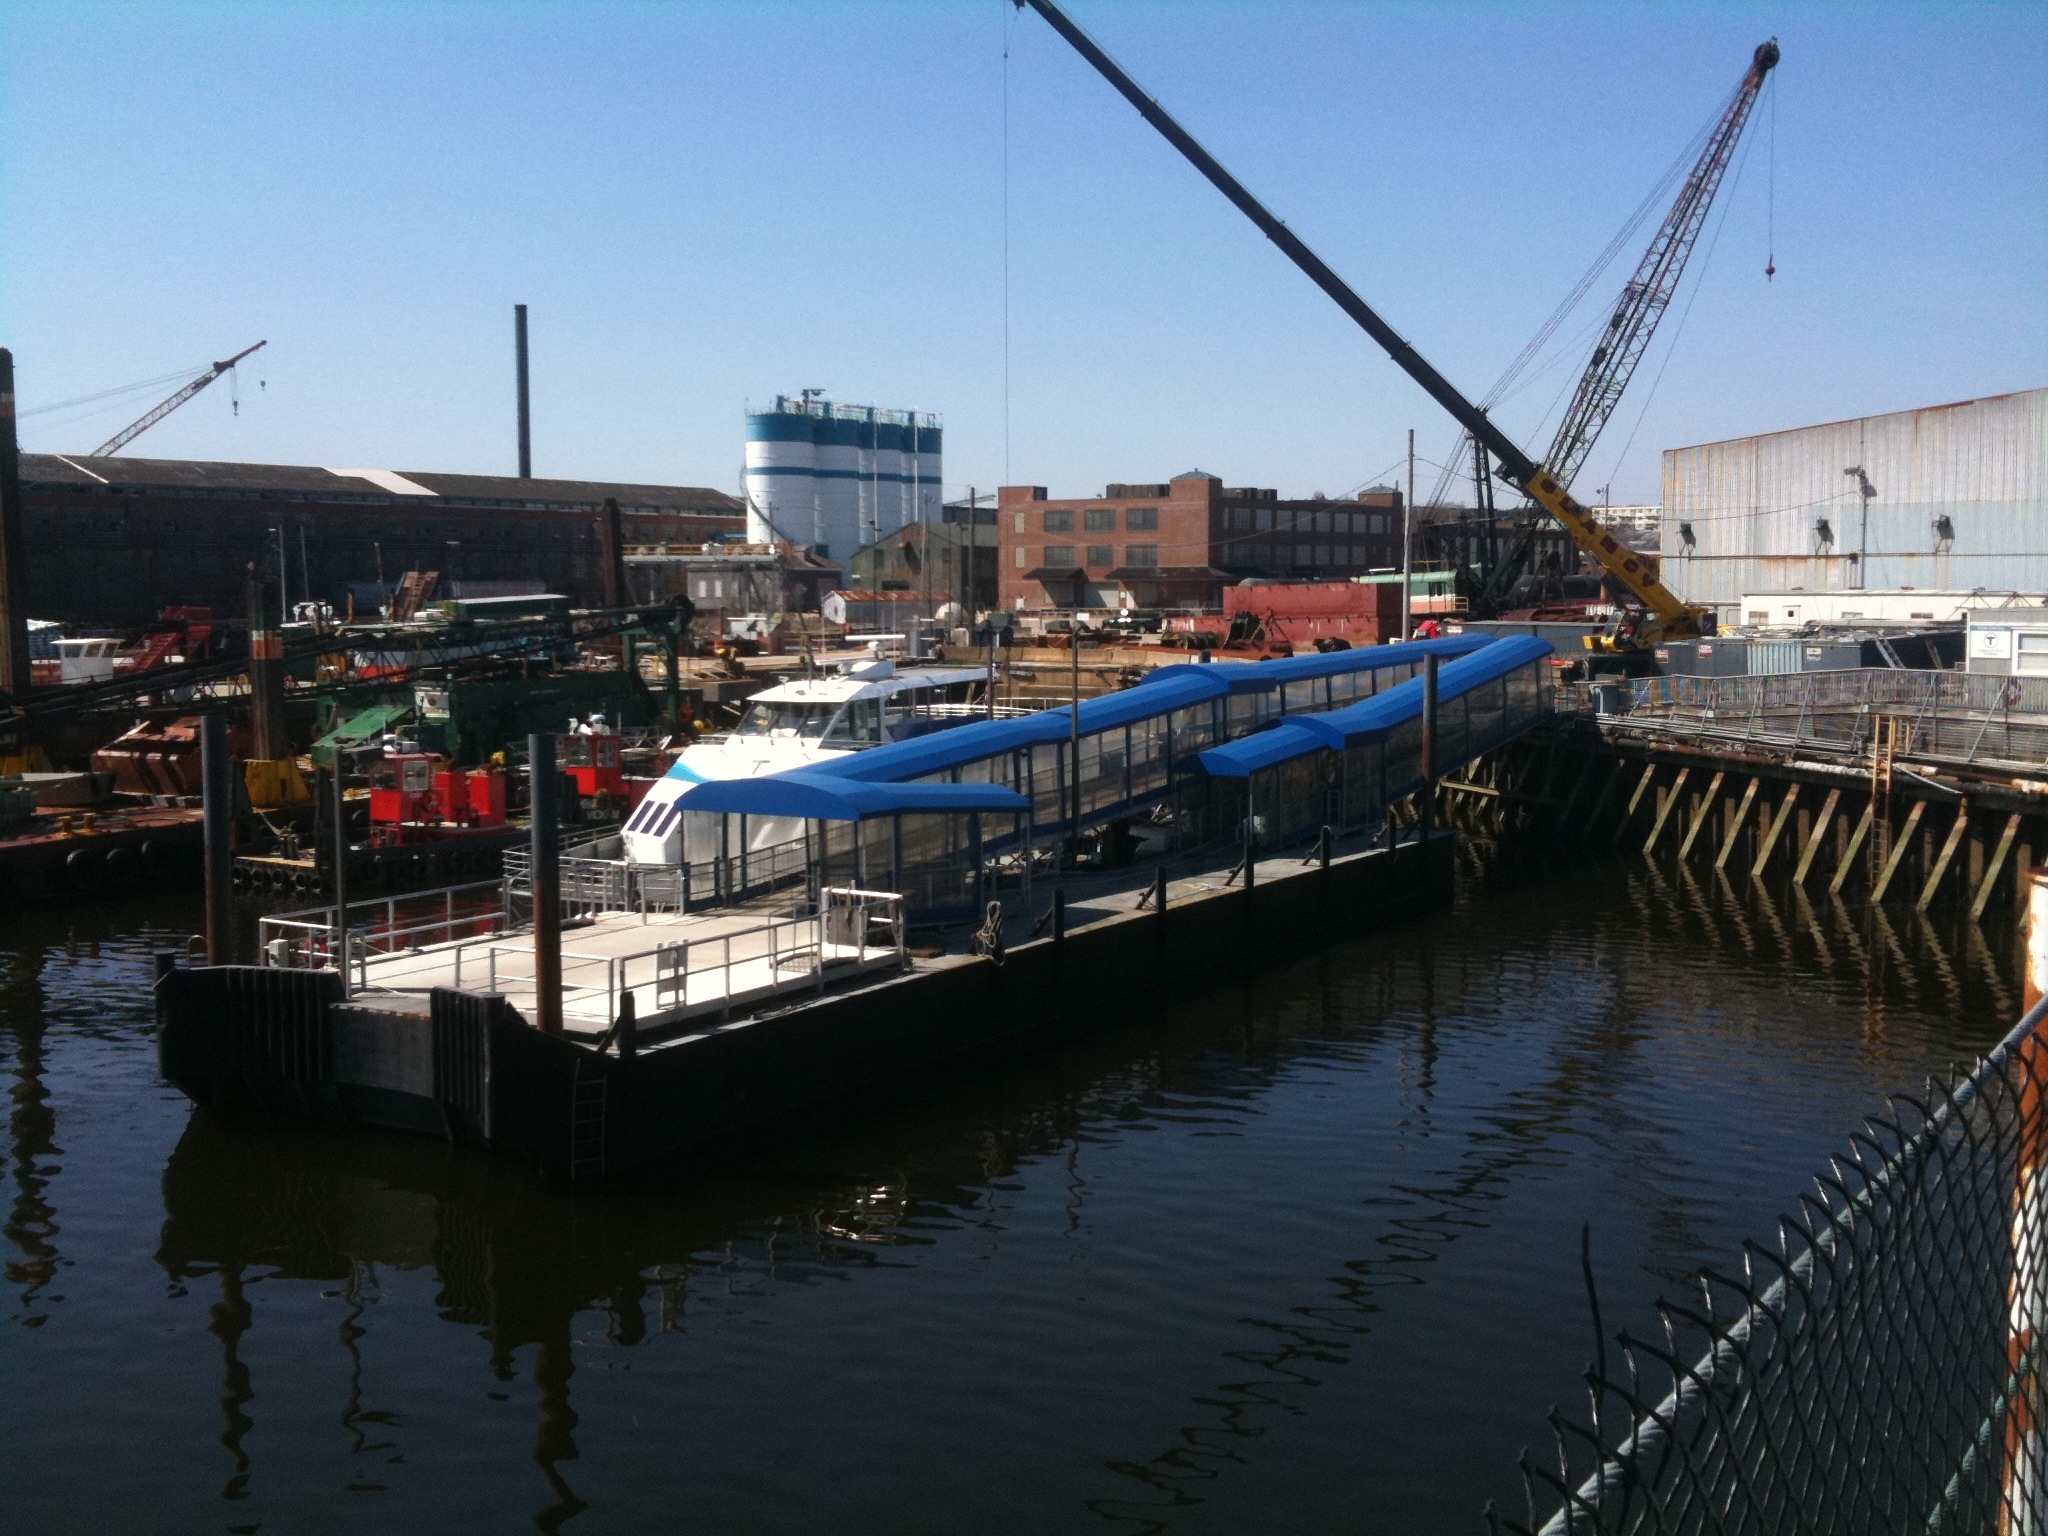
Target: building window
1146, 555
1239, 520
1323, 554
1059, 522
1020, 522
1142, 520
1100, 519
1265, 520
1060, 556
1021, 561
1304, 554
1100, 556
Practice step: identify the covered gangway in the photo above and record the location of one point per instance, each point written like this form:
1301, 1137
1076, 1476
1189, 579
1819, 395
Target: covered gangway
924, 842
1118, 757
1345, 768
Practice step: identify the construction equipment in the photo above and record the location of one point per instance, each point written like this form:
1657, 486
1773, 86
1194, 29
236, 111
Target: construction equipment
135, 429
1629, 328
1663, 616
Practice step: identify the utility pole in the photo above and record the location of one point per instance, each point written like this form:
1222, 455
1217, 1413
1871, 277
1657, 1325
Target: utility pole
525, 405
14, 668
1408, 545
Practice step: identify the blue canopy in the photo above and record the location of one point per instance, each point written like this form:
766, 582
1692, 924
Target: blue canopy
1369, 718
1261, 676
922, 755
810, 795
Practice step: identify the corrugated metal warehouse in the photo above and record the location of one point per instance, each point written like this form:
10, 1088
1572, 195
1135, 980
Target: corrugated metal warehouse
1956, 497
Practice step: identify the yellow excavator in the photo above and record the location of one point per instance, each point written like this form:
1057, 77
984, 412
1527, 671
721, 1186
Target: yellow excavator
1662, 616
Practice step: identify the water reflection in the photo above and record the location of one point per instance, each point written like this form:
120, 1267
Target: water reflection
1317, 1226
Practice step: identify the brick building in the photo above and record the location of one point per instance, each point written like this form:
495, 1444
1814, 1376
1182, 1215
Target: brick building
1177, 545
109, 541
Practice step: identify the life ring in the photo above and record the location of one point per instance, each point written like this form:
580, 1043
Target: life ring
84, 871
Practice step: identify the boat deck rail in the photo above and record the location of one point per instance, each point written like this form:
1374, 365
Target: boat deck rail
692, 967
593, 882
304, 939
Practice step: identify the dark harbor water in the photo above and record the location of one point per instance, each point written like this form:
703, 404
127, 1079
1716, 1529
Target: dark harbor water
1298, 1253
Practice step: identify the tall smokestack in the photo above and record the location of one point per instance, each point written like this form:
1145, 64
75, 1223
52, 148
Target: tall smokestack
14, 670
525, 407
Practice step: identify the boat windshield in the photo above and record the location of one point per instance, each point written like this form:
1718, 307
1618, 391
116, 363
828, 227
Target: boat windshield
805, 722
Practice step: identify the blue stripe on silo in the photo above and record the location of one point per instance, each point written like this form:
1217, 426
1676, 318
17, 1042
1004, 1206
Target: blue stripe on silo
887, 478
781, 427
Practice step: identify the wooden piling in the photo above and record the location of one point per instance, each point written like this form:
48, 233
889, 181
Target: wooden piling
1816, 836
1775, 830
1989, 882
1672, 798
1628, 814
1708, 801
1735, 826
1847, 861
1898, 853
1945, 857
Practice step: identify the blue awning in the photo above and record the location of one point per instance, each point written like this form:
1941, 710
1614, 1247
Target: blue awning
809, 795
1263, 676
1300, 735
923, 755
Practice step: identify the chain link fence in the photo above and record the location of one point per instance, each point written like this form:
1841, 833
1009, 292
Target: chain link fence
1876, 1368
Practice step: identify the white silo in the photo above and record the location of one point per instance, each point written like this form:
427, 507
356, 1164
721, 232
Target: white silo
838, 477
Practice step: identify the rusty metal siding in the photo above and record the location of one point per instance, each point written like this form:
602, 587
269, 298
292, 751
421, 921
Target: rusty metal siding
1753, 502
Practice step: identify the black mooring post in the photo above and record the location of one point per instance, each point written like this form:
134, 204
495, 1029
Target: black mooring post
1427, 819
217, 797
14, 667
1323, 848
1159, 889
341, 867
544, 790
1059, 914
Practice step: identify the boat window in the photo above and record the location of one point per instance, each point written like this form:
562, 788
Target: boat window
859, 726
806, 722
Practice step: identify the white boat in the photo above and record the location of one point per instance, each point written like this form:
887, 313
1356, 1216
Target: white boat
794, 724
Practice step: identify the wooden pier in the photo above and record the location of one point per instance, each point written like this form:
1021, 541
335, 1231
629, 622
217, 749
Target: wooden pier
1910, 788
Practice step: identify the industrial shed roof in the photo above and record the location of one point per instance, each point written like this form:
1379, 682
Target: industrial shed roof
83, 471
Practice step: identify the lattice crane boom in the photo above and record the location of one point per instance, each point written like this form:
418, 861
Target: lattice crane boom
1649, 292
135, 429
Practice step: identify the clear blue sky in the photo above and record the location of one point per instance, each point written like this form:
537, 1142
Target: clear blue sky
707, 203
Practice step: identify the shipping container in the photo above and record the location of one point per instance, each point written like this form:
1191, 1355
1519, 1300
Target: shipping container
1767, 657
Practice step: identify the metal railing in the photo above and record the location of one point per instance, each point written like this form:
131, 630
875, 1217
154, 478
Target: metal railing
715, 971
591, 884
1961, 716
1877, 1368
304, 940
